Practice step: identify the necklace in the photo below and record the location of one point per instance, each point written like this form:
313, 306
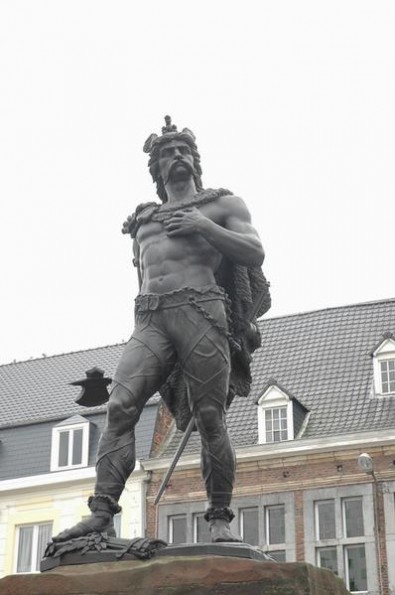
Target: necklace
202, 198
152, 211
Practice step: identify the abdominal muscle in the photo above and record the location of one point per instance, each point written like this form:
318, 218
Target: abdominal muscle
168, 263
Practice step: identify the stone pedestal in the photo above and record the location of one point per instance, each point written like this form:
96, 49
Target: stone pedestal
181, 575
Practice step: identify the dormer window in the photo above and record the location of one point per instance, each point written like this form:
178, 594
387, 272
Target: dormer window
276, 424
387, 369
70, 444
280, 416
384, 366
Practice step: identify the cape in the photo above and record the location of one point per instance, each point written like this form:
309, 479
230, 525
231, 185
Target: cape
244, 286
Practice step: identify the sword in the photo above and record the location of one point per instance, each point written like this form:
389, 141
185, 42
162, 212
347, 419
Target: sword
189, 429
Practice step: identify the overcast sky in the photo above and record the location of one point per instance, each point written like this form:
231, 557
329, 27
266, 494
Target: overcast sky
292, 103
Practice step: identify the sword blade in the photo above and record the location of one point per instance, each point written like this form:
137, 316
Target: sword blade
176, 458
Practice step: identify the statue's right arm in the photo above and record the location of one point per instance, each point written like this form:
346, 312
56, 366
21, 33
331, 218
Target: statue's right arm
136, 261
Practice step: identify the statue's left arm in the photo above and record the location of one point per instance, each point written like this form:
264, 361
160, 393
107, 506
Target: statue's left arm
236, 238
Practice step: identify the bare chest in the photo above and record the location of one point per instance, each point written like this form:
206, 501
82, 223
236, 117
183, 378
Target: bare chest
155, 246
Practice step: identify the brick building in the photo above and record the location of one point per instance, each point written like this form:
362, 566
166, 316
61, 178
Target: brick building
323, 393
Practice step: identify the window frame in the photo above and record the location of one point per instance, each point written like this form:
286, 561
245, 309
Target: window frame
346, 549
263, 503
312, 543
34, 549
384, 352
195, 517
170, 529
274, 399
281, 418
192, 509
70, 428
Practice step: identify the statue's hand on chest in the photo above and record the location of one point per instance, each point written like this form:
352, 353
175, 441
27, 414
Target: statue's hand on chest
185, 222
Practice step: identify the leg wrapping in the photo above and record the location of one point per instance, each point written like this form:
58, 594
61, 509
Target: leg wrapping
115, 462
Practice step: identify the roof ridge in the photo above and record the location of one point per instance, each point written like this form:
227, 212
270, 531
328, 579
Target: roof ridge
46, 357
329, 308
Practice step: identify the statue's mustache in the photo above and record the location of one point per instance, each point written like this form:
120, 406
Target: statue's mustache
177, 162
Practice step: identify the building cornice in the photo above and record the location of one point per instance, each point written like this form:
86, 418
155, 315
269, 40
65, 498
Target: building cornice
57, 478
290, 449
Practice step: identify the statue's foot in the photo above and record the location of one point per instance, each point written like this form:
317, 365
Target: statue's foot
103, 508
219, 522
95, 523
220, 532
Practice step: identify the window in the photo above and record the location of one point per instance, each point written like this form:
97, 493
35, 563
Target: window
275, 416
353, 517
327, 558
387, 369
31, 544
249, 525
384, 366
278, 555
267, 521
275, 531
118, 524
352, 526
325, 519
355, 562
340, 536
201, 529
276, 424
177, 528
275, 524
270, 524
70, 444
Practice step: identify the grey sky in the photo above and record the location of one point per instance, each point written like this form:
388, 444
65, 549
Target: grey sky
292, 104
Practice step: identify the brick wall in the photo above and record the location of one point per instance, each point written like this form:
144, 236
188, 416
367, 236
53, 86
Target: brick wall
293, 474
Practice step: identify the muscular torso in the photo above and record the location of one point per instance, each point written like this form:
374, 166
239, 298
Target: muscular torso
169, 263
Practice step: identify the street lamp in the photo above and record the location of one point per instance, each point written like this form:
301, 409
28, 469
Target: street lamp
365, 463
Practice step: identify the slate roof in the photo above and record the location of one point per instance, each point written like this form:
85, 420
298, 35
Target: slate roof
38, 389
35, 396
323, 358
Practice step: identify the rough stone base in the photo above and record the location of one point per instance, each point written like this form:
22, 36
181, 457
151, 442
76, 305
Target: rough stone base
188, 575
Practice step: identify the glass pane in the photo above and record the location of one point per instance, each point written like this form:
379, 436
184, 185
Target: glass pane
178, 529
327, 558
388, 375
326, 528
117, 524
44, 536
63, 449
275, 520
202, 532
25, 545
278, 555
77, 447
353, 517
276, 424
356, 566
250, 526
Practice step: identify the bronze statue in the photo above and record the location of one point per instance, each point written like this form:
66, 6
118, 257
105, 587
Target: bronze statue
198, 259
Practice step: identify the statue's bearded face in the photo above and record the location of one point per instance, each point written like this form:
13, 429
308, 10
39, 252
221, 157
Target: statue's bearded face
175, 161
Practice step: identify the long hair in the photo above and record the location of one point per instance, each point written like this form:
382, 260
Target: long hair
153, 163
